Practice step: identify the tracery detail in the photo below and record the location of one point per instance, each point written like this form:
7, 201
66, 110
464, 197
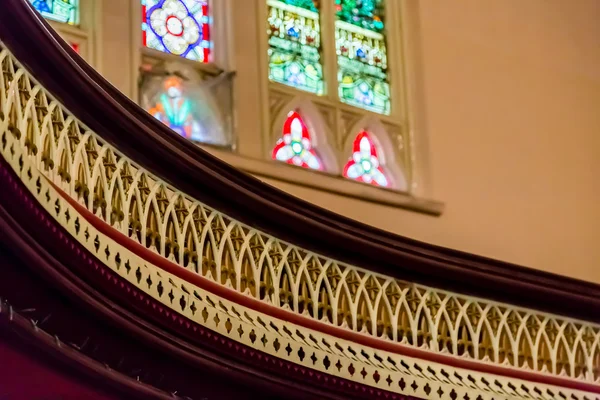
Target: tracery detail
362, 54
295, 147
365, 165
295, 44
46, 144
180, 27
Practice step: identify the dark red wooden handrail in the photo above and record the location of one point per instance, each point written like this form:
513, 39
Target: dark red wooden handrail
152, 145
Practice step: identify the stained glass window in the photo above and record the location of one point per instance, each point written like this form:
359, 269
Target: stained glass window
183, 108
65, 11
362, 54
295, 44
295, 146
365, 165
180, 27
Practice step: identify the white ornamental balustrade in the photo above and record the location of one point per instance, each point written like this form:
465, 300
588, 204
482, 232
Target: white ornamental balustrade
203, 240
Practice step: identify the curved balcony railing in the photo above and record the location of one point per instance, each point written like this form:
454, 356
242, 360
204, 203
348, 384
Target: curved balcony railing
125, 170
152, 145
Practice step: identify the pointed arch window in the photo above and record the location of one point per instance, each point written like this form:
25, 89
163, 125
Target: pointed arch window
365, 165
295, 147
180, 27
65, 11
295, 44
362, 54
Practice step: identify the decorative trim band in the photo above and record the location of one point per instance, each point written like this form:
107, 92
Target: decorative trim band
260, 266
191, 306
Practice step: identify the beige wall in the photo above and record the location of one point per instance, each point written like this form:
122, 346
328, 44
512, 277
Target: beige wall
505, 99
512, 112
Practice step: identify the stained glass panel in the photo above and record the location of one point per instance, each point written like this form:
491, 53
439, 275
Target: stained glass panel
295, 44
365, 165
183, 107
362, 55
180, 27
295, 146
311, 5
367, 14
65, 11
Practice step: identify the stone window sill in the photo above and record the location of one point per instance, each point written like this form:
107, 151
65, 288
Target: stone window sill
328, 183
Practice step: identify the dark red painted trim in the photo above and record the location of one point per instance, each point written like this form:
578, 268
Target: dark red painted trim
145, 140
285, 315
70, 266
84, 372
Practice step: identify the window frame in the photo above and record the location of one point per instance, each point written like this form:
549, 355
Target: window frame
303, 13
321, 135
219, 37
64, 23
284, 175
220, 60
257, 143
83, 35
339, 115
394, 168
394, 44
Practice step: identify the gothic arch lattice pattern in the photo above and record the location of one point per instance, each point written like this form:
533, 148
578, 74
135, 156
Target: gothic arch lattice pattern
36, 130
192, 309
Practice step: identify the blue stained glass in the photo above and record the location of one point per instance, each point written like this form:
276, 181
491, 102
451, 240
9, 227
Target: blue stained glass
42, 6
179, 27
65, 11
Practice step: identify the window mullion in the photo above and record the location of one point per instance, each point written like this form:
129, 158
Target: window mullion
393, 32
328, 45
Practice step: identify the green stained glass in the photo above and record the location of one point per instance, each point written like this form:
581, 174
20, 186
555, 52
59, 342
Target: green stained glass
311, 5
362, 55
295, 44
367, 14
65, 11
